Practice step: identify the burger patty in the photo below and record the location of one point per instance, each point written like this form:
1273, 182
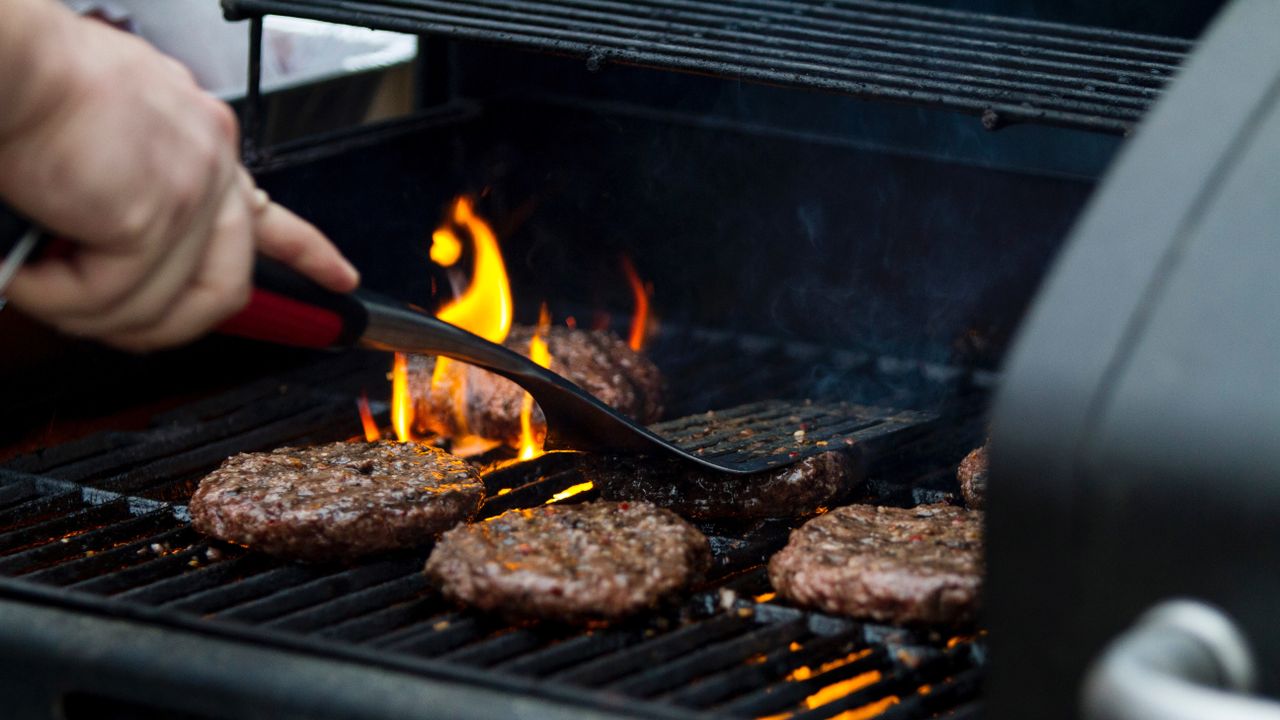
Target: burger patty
573, 563
336, 501
794, 491
895, 565
597, 361
972, 475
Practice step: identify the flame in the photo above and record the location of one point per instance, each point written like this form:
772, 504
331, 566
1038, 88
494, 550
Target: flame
446, 248
401, 403
485, 308
766, 597
869, 710
570, 492
531, 446
371, 431
640, 318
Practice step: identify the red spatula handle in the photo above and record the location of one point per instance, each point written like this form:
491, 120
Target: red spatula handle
289, 309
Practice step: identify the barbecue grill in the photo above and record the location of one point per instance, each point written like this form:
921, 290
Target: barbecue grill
815, 255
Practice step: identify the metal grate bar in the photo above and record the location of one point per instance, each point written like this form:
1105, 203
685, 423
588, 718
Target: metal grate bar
195, 580
40, 509
775, 698
710, 659
223, 596
437, 635
656, 651
353, 605
65, 526
317, 591
382, 622
1007, 70
171, 562
578, 650
940, 697
56, 551
118, 557
770, 668
505, 645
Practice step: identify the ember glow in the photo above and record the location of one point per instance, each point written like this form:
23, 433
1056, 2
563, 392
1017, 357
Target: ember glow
371, 431
570, 492
640, 317
530, 445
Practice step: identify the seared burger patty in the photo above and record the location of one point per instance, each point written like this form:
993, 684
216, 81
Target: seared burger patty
972, 475
336, 501
895, 565
793, 491
597, 361
574, 563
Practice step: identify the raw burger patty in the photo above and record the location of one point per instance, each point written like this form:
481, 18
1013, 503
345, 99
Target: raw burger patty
895, 565
574, 563
793, 491
336, 501
597, 361
972, 475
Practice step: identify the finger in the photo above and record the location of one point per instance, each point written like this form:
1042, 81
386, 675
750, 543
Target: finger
219, 288
297, 243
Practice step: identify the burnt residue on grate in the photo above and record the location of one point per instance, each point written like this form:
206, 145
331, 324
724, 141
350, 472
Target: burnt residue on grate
1003, 70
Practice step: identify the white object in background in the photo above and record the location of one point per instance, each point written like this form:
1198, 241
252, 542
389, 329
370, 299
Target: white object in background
294, 51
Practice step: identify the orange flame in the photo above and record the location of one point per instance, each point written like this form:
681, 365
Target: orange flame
640, 318
401, 402
531, 446
371, 431
485, 308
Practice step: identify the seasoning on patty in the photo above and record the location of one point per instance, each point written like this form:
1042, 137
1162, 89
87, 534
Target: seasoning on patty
336, 501
895, 565
573, 563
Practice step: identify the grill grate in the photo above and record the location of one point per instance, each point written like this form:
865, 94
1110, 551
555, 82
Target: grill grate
100, 523
1003, 69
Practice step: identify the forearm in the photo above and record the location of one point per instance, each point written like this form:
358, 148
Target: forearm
37, 60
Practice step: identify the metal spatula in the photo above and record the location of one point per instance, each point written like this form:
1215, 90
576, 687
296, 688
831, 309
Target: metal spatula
287, 308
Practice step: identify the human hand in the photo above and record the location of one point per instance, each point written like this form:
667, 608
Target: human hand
113, 144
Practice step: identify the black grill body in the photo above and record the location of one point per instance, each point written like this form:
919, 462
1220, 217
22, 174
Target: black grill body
804, 243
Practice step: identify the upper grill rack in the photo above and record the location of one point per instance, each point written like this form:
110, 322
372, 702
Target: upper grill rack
1004, 70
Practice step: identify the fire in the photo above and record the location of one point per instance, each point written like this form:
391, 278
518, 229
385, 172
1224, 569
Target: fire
371, 431
570, 492
485, 308
531, 446
401, 402
640, 318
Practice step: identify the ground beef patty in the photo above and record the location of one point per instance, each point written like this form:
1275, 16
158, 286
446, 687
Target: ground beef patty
336, 501
972, 475
922, 564
574, 563
597, 361
792, 491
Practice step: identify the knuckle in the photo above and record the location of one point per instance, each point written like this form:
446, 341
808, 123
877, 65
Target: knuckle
224, 120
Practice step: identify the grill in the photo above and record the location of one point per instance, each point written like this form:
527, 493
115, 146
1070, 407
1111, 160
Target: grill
1001, 69
99, 524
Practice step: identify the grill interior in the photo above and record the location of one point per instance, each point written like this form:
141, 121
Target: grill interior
100, 523
1005, 70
